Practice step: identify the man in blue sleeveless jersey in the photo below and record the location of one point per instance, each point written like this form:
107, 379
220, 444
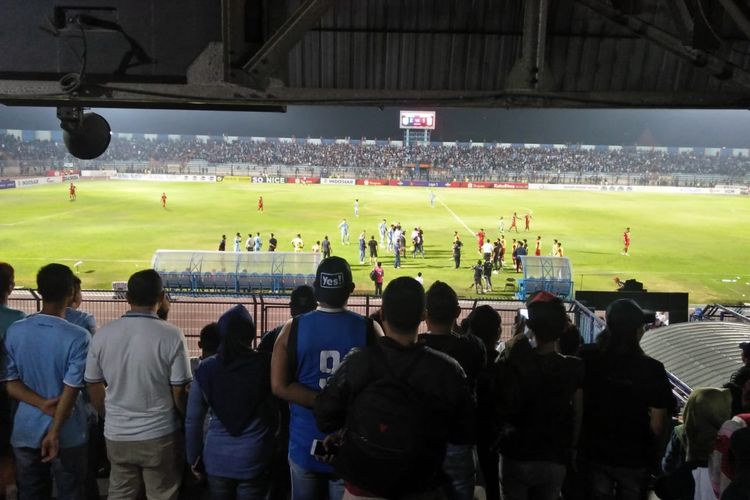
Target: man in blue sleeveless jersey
309, 349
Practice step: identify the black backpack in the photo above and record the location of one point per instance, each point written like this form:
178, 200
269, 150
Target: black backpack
373, 275
388, 437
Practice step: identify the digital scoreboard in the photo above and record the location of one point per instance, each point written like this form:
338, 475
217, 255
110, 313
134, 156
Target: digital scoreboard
417, 120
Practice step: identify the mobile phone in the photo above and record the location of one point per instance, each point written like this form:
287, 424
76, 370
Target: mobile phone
523, 314
319, 450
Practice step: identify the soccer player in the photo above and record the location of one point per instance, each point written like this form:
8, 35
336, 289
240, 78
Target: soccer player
297, 243
478, 271
356, 207
344, 230
480, 239
538, 247
272, 242
432, 199
513, 222
237, 242
250, 242
626, 242
502, 251
258, 242
72, 192
554, 248
382, 229
501, 226
163, 199
560, 251
223, 243
260, 204
527, 222
316, 247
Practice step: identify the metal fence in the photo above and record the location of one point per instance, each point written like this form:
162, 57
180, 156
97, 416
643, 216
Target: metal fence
191, 313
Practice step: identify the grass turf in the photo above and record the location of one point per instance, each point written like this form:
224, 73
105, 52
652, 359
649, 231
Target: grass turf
679, 242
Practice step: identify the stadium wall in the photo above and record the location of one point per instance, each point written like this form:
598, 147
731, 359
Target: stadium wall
112, 174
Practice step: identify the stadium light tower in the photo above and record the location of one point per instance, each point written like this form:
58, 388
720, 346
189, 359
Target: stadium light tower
86, 135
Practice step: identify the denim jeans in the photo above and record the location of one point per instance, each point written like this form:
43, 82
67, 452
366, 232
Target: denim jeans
607, 482
34, 478
523, 480
460, 464
397, 258
306, 484
224, 488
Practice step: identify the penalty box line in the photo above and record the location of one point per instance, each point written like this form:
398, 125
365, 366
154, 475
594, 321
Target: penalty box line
455, 216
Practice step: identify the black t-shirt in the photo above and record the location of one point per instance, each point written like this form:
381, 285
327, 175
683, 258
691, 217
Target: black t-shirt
469, 353
542, 428
618, 393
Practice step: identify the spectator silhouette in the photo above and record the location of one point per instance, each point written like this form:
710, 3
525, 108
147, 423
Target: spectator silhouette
235, 385
135, 355
443, 410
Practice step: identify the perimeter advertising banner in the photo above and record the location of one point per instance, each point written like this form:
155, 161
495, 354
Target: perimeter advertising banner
303, 180
492, 185
233, 178
7, 184
269, 180
37, 181
341, 182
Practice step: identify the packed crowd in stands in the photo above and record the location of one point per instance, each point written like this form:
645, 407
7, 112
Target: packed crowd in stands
461, 162
335, 405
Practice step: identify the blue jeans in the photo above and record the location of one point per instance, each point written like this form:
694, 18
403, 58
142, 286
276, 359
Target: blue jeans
306, 484
397, 257
523, 480
224, 488
34, 478
460, 464
361, 254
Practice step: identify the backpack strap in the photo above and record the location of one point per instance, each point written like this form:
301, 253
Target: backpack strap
291, 349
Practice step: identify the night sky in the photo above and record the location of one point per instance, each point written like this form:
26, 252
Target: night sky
625, 127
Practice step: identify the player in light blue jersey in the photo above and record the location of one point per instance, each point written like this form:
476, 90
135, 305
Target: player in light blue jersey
432, 199
344, 229
382, 229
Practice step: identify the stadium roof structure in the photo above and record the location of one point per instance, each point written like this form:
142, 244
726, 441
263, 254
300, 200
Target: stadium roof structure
267, 54
699, 353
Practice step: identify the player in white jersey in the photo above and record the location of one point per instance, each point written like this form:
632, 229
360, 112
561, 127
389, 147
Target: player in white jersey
356, 207
344, 230
382, 229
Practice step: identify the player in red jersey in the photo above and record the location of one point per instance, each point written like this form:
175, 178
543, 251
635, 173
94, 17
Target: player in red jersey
164, 200
72, 192
480, 238
513, 222
527, 222
538, 247
260, 204
626, 241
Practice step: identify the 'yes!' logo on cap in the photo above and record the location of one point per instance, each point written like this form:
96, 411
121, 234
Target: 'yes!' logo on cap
331, 280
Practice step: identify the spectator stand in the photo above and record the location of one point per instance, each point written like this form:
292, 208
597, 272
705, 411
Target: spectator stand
213, 272
549, 274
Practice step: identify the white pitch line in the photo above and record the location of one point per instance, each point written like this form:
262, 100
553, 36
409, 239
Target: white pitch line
459, 219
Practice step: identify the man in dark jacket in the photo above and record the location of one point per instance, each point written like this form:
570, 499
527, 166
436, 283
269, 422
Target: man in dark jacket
438, 379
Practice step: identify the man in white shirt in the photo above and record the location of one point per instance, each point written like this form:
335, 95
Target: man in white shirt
140, 363
487, 248
298, 244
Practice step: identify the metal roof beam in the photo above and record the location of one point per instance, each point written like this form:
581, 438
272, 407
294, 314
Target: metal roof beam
272, 54
682, 19
717, 66
739, 17
530, 71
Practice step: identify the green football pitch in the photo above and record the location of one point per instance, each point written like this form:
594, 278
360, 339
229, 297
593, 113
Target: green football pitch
693, 243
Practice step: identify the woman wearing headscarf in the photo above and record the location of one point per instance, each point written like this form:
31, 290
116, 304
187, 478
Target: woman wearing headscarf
234, 386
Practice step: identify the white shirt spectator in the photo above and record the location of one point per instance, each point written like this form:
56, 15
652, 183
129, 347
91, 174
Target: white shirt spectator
140, 357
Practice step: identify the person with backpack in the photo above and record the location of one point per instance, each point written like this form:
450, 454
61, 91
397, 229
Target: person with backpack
308, 351
442, 311
396, 405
